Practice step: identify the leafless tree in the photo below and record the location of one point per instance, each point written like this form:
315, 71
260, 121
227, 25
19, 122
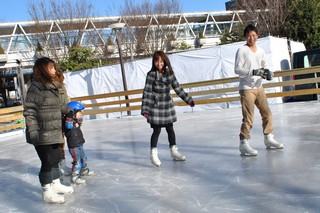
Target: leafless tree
148, 34
56, 35
269, 15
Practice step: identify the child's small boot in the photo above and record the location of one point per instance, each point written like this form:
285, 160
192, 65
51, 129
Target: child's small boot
86, 172
76, 178
154, 157
175, 154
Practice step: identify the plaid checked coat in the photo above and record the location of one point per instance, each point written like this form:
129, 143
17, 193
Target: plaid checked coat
156, 99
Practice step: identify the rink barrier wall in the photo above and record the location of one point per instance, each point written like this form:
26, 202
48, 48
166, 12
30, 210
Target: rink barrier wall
204, 92
11, 118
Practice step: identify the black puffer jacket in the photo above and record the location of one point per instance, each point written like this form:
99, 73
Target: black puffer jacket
43, 109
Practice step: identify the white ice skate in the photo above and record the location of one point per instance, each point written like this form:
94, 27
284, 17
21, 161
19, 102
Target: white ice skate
49, 196
245, 148
270, 142
175, 154
77, 180
154, 157
57, 187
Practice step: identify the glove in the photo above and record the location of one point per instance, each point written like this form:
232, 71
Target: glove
34, 136
192, 104
258, 72
146, 115
268, 75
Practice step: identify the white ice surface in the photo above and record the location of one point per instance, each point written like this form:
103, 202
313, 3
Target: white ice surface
214, 178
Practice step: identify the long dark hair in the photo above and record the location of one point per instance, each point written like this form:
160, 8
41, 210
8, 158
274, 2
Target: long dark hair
41, 71
166, 61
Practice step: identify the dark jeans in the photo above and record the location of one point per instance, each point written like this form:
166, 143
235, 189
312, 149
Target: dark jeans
79, 158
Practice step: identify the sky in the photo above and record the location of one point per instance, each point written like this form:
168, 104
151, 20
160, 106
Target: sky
17, 10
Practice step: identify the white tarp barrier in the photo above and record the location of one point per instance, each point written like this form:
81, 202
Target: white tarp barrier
190, 66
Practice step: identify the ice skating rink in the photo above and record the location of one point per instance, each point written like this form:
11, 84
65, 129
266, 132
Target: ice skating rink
214, 178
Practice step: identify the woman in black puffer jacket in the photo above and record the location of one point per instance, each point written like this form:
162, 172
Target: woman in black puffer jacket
43, 109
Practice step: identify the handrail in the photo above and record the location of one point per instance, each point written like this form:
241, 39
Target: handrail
12, 118
202, 95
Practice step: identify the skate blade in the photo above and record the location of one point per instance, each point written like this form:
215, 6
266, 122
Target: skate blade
79, 184
247, 155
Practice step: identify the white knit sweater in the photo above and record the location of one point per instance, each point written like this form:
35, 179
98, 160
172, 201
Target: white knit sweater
247, 60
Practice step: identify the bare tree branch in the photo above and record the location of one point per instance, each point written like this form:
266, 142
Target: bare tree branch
150, 34
269, 15
62, 36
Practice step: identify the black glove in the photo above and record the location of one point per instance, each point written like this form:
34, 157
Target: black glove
258, 72
34, 136
268, 75
192, 104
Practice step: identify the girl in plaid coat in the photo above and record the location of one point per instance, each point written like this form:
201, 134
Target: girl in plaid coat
157, 104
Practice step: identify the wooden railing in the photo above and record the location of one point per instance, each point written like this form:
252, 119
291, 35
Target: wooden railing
10, 118
205, 96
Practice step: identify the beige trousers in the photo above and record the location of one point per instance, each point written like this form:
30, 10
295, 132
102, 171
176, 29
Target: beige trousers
250, 98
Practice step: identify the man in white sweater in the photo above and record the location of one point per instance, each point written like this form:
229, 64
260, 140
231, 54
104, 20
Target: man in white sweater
251, 66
